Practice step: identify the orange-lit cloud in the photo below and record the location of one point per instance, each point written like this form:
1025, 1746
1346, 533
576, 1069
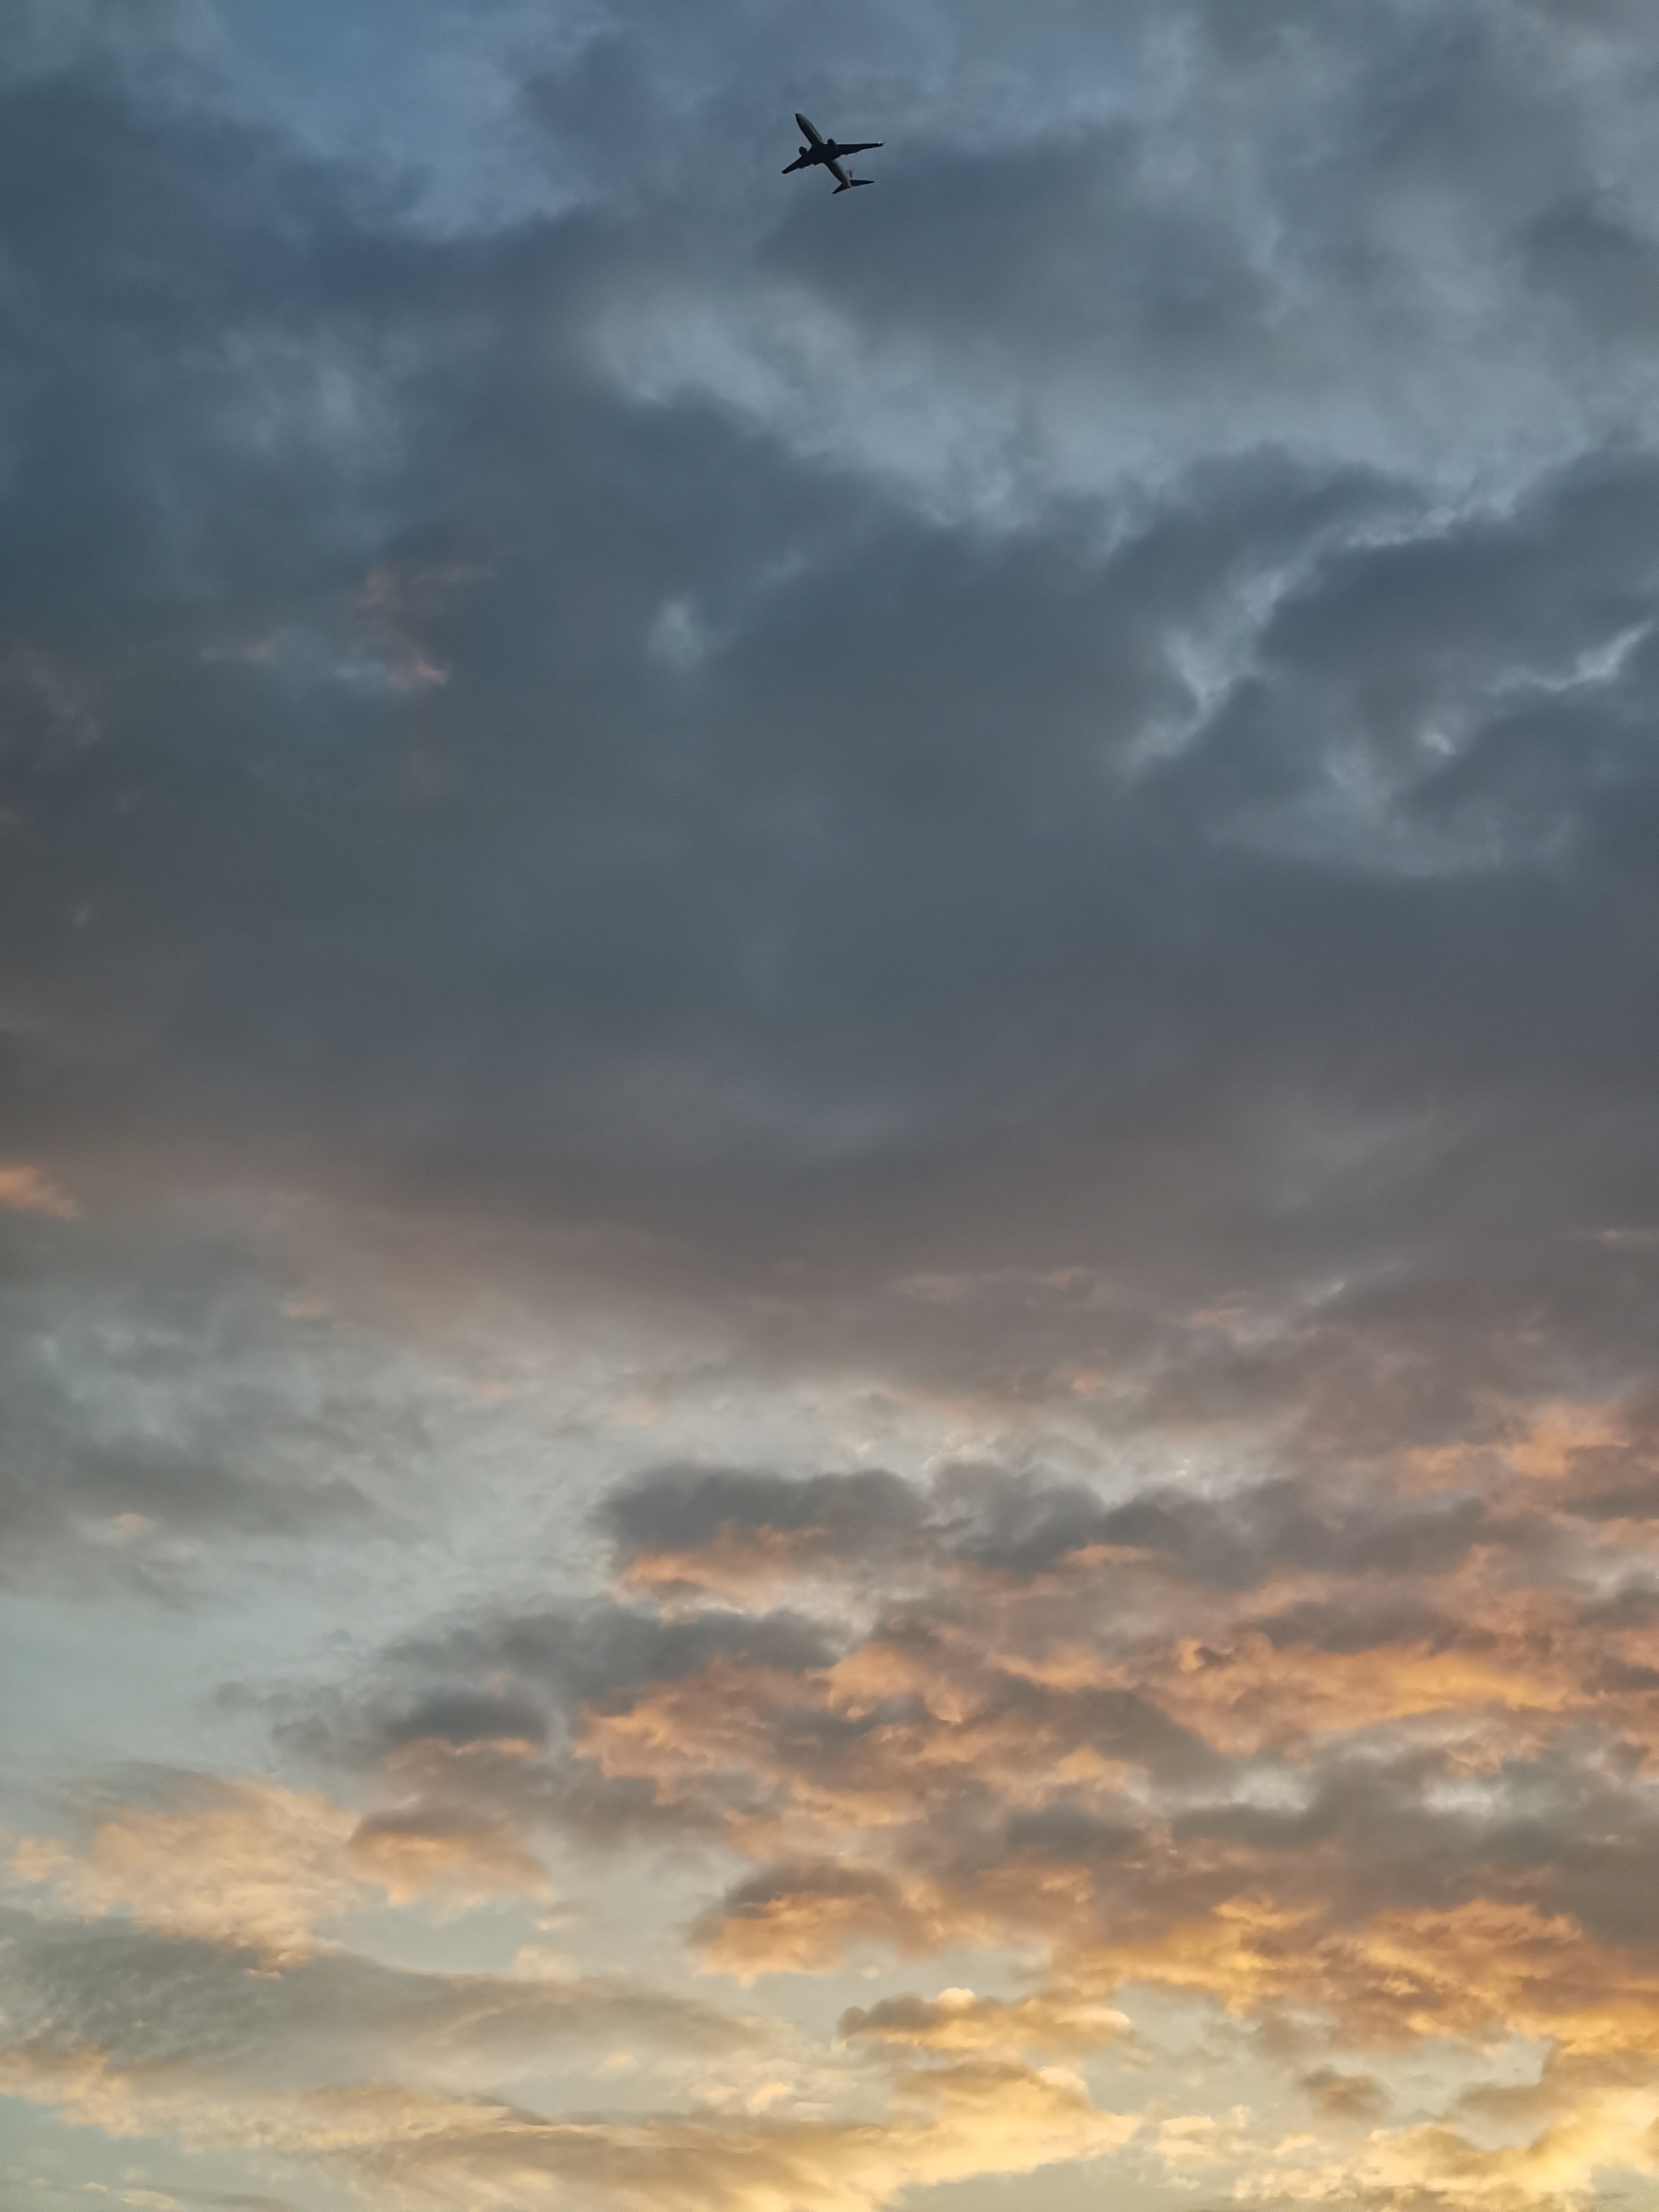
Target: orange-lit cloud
1338, 1799
1252, 1694
249, 1865
944, 2125
1605, 2130
25, 1189
454, 1858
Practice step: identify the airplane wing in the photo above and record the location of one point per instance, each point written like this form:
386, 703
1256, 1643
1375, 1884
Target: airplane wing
808, 132
868, 147
800, 162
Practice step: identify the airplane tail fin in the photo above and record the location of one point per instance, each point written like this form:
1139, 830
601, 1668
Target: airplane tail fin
852, 184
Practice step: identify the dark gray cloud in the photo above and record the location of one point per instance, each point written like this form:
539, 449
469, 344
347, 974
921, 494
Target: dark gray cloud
847, 1517
762, 824
986, 1518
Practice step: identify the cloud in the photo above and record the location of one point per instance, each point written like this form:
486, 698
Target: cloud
179, 1401
951, 2123
247, 1865
986, 861
159, 1394
958, 2021
1352, 2097
1601, 2127
1368, 1771
327, 2059
801, 1919
31, 1190
414, 1854
157, 1999
732, 1532
255, 1866
1165, 893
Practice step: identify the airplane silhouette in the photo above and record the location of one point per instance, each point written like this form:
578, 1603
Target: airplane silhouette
824, 153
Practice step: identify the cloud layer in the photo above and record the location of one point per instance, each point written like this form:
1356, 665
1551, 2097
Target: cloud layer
827, 1243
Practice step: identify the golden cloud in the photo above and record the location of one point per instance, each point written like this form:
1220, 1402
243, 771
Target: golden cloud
1251, 1694
248, 1865
944, 2125
455, 1856
1289, 1795
1481, 1970
1608, 2129
804, 1919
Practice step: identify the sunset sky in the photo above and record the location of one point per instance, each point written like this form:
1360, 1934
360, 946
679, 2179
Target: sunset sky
829, 1107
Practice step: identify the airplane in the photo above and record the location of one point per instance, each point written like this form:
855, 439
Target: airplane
826, 154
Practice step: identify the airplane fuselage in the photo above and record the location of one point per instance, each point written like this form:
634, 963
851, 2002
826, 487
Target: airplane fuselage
828, 154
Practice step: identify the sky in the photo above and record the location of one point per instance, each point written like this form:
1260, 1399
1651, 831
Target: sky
828, 1125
